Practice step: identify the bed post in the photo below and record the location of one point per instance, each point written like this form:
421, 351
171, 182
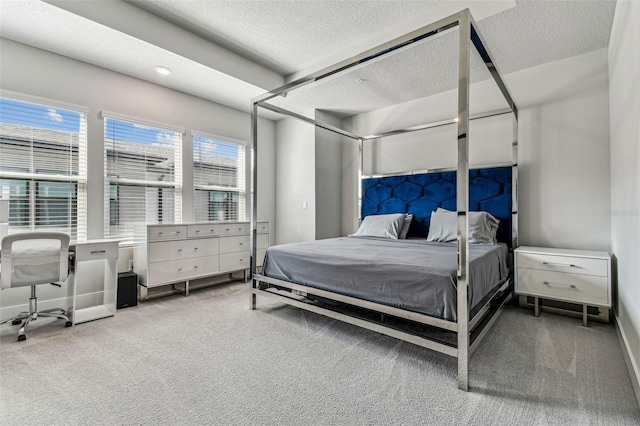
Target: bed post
462, 198
360, 174
254, 199
514, 184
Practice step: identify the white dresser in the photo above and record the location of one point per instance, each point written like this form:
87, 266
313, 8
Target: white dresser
170, 254
575, 276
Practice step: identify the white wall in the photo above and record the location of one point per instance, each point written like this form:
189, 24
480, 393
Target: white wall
328, 149
36, 72
563, 146
624, 80
295, 181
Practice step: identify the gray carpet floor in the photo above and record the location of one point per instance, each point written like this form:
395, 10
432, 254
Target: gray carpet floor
208, 359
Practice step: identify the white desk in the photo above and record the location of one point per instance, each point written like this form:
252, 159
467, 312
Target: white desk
85, 253
89, 292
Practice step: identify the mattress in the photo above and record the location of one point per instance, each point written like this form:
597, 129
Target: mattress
413, 274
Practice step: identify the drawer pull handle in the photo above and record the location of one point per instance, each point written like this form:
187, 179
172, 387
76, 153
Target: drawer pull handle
228, 229
195, 248
197, 231
570, 265
459, 255
179, 269
178, 232
559, 285
98, 251
195, 267
179, 250
241, 243
239, 229
160, 233
241, 260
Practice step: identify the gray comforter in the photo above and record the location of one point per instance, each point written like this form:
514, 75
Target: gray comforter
415, 275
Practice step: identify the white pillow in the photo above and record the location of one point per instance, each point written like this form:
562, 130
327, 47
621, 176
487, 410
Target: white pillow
382, 225
405, 227
482, 227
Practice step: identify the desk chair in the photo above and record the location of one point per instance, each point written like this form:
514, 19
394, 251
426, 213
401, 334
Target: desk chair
32, 259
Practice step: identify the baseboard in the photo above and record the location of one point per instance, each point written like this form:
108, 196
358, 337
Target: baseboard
632, 367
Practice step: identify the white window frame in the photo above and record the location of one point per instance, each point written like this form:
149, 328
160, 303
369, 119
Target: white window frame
32, 178
240, 189
176, 185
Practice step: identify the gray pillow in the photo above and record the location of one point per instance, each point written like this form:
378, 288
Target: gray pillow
405, 227
482, 227
382, 225
443, 227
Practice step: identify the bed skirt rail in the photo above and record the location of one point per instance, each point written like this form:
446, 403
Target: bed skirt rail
389, 310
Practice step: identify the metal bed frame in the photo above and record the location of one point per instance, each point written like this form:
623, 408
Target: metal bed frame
469, 330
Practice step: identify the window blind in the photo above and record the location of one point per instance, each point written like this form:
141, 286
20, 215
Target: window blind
218, 178
143, 181
43, 167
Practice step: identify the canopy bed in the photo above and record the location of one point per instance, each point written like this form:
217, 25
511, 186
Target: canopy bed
415, 289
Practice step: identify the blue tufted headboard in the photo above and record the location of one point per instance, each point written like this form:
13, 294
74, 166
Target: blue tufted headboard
420, 194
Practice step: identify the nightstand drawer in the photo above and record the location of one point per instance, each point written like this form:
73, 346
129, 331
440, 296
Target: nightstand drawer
575, 288
567, 264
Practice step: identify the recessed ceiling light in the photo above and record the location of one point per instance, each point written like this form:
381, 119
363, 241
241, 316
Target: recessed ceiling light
361, 80
162, 70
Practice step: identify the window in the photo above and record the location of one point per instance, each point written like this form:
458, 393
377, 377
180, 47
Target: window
143, 181
43, 167
218, 178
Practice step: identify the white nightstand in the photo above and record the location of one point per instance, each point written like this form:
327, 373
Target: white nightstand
575, 276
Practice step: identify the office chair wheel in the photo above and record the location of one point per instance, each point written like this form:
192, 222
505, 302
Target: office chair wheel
16, 322
68, 324
22, 337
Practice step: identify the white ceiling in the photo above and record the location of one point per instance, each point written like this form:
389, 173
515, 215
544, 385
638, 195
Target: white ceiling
229, 51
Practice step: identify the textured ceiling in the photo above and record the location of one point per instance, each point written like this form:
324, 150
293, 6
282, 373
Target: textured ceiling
291, 37
286, 36
532, 33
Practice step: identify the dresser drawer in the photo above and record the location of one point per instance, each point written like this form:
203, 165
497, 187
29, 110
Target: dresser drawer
569, 264
225, 229
181, 249
263, 227
181, 270
203, 230
576, 288
102, 250
160, 233
262, 242
234, 244
234, 261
